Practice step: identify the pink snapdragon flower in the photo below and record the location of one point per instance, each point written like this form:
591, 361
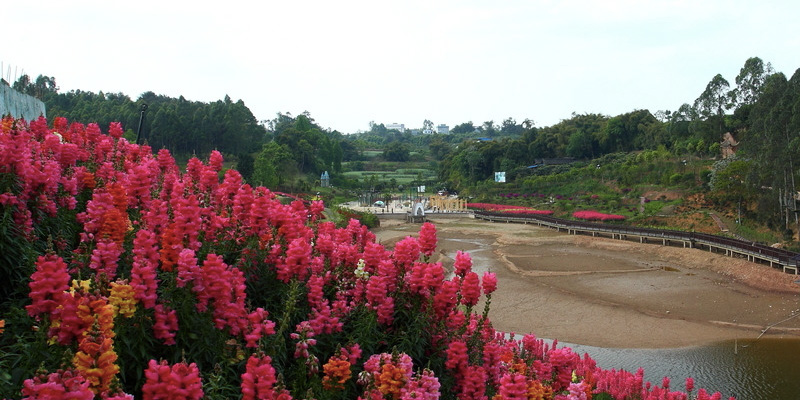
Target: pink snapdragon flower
143, 273
513, 386
67, 384
463, 263
427, 239
470, 289
48, 282
166, 324
259, 378
174, 382
489, 282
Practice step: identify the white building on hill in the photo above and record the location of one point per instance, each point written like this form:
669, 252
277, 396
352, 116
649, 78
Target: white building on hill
395, 126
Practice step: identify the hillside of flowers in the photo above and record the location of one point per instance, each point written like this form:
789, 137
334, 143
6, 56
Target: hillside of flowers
125, 277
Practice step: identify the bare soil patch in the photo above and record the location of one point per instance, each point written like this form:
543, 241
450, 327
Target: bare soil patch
613, 293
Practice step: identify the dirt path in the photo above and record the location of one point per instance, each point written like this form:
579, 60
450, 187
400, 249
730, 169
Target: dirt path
612, 293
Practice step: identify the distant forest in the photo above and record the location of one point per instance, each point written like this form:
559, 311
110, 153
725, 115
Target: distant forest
762, 111
180, 125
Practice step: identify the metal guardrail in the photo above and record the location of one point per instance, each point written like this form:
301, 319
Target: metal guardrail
784, 258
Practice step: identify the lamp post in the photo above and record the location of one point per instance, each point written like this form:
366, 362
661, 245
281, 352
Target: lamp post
141, 122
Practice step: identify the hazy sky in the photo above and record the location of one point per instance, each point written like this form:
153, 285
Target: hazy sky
352, 62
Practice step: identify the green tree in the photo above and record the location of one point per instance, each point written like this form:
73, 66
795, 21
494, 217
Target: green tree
465, 127
766, 142
511, 128
246, 166
489, 129
580, 145
439, 148
751, 80
396, 151
711, 106
272, 165
729, 182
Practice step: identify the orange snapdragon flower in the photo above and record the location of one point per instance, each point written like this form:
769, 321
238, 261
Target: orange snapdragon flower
390, 380
95, 361
337, 372
96, 358
537, 391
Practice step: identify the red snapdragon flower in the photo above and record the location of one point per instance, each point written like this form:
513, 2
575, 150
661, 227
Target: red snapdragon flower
166, 324
259, 326
176, 382
473, 383
427, 239
105, 257
115, 130
143, 273
513, 386
406, 252
463, 263
489, 282
57, 385
48, 282
259, 378
297, 262
470, 289
457, 357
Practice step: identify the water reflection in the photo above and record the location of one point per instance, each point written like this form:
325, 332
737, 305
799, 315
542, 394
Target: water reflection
747, 369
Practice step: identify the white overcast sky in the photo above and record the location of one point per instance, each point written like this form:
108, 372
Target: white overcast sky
352, 62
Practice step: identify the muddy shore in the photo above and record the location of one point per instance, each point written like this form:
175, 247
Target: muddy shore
617, 294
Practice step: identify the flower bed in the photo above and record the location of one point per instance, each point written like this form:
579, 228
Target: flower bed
164, 284
590, 215
507, 208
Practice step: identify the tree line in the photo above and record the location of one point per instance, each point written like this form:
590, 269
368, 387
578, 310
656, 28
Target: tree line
274, 153
182, 126
693, 128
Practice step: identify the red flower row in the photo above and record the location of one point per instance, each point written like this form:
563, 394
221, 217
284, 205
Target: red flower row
590, 215
510, 209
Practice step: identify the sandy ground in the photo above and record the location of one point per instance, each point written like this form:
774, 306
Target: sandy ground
612, 293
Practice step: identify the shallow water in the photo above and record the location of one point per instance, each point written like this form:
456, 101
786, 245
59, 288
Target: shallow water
747, 369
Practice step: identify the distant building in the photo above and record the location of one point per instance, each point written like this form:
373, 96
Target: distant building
442, 129
728, 145
427, 131
397, 127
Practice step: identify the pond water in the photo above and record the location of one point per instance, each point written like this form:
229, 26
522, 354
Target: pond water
766, 368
